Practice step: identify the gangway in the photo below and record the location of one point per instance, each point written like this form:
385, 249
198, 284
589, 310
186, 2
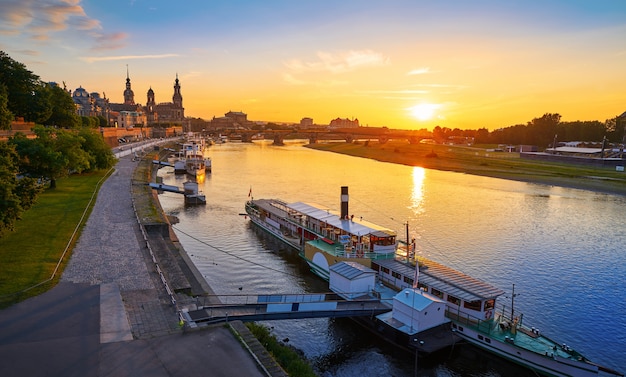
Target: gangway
276, 307
168, 188
161, 163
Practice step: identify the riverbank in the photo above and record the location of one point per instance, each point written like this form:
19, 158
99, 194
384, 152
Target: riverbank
481, 162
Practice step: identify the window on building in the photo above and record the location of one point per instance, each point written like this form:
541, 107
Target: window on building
453, 300
489, 304
436, 292
472, 305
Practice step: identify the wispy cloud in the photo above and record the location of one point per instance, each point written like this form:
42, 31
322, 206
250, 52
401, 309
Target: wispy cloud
40, 17
92, 59
419, 71
338, 62
111, 41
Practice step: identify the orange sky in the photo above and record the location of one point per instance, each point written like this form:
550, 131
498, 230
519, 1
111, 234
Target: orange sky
400, 64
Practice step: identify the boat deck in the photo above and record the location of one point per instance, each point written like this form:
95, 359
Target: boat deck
523, 337
336, 249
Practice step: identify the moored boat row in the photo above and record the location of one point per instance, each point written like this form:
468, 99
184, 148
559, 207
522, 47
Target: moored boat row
328, 240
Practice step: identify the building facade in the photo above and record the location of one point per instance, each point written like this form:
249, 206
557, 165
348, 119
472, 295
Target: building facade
129, 113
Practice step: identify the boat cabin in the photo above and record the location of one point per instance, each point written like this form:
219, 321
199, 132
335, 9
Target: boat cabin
354, 235
464, 295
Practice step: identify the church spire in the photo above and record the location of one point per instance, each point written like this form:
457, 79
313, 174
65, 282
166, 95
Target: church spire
129, 96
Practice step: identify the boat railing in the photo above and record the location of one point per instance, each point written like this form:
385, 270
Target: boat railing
469, 320
341, 252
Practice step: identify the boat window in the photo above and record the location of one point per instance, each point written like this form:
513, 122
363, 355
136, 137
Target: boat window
473, 305
424, 287
385, 270
453, 300
408, 280
396, 275
436, 292
489, 304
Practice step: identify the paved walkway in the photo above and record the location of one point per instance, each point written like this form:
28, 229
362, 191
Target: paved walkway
110, 315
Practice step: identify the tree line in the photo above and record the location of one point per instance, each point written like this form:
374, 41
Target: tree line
543, 132
64, 143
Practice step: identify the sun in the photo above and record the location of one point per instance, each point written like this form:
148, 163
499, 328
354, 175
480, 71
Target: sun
424, 111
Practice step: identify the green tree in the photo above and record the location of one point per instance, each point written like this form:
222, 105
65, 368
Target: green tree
40, 108
63, 109
10, 207
39, 158
93, 143
5, 114
22, 87
69, 144
16, 195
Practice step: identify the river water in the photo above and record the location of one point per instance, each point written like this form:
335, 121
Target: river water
564, 249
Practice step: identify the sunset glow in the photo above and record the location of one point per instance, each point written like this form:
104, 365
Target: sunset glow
401, 64
424, 111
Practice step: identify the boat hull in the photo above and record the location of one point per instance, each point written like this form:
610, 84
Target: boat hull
544, 364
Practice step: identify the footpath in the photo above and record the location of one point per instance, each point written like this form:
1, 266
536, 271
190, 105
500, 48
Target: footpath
116, 310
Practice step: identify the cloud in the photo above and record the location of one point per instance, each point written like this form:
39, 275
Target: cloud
92, 59
419, 71
39, 17
339, 62
110, 41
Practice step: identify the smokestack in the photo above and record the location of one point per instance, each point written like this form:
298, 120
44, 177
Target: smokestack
344, 202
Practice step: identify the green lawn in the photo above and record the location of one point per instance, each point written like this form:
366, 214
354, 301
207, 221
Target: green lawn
479, 161
29, 255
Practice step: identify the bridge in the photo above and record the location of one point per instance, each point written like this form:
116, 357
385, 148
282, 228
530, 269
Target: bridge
381, 134
276, 307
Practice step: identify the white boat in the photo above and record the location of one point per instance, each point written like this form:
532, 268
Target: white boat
192, 160
325, 238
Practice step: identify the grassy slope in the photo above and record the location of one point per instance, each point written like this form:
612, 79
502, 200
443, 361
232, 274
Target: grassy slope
29, 254
480, 162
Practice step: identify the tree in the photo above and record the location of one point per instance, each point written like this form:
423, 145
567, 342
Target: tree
63, 109
16, 195
5, 114
39, 108
93, 143
39, 157
22, 86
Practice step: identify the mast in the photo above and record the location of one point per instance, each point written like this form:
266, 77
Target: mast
407, 243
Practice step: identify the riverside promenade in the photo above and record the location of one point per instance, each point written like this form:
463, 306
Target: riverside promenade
111, 314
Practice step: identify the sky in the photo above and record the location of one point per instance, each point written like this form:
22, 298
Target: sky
401, 64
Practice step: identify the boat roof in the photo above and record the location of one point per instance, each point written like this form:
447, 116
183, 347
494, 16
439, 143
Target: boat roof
351, 270
445, 279
353, 226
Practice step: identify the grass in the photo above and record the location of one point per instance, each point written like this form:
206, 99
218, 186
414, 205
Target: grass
286, 356
29, 254
479, 161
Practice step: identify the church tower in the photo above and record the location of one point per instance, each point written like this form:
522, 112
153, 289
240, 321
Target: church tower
151, 114
177, 98
129, 96
150, 102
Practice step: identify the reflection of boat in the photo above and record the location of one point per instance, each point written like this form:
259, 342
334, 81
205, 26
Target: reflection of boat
325, 239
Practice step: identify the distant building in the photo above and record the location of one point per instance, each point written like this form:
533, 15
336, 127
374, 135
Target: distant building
166, 112
231, 120
130, 119
343, 123
306, 122
129, 113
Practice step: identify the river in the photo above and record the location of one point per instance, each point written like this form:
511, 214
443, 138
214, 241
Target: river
564, 249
